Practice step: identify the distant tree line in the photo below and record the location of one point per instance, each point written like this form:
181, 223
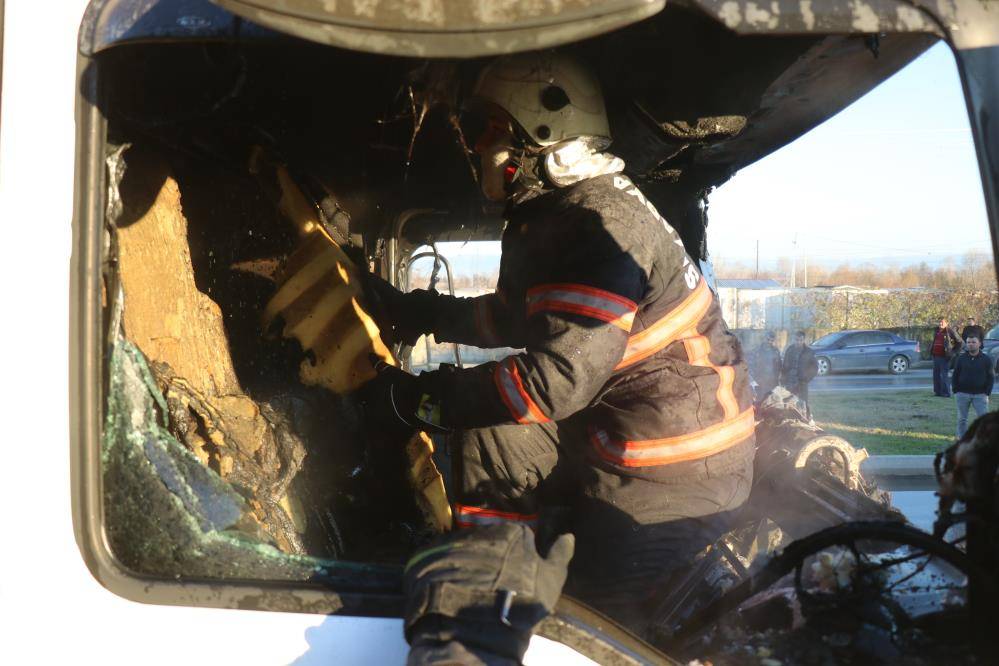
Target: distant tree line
896, 309
486, 281
956, 289
973, 271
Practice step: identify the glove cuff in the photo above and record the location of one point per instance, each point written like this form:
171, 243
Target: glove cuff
491, 642
431, 409
430, 652
498, 607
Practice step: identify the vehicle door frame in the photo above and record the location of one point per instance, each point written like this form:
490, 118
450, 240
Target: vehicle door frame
960, 23
882, 352
573, 624
864, 358
843, 356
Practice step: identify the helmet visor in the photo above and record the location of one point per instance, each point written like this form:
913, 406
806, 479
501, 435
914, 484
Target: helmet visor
495, 130
483, 123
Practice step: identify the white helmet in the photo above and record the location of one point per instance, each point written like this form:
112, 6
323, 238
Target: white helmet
551, 96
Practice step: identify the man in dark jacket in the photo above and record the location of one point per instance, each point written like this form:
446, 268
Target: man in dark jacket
799, 368
629, 410
972, 382
765, 366
946, 343
971, 328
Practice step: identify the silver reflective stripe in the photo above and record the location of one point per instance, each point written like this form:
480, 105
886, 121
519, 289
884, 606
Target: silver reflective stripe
510, 392
612, 307
583, 300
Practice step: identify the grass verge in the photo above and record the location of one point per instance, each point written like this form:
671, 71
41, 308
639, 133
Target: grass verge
888, 422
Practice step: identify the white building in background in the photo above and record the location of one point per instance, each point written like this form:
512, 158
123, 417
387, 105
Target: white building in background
766, 304
752, 303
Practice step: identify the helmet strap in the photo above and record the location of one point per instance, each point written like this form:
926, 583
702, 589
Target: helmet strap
524, 176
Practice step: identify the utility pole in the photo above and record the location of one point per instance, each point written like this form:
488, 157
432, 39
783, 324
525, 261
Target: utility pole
794, 260
757, 259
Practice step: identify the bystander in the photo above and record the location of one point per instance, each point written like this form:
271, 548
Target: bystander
971, 328
972, 382
946, 343
764, 366
798, 368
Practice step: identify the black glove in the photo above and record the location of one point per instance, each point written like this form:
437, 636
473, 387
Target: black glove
400, 402
401, 317
481, 592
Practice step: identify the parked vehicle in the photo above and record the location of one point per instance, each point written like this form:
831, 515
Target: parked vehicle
990, 345
864, 350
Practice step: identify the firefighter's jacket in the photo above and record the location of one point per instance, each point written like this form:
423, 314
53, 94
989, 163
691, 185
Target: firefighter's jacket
619, 329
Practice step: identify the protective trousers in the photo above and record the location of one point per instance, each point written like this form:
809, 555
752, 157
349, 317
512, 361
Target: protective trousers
632, 534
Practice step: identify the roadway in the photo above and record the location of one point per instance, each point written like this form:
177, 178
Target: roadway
917, 378
914, 380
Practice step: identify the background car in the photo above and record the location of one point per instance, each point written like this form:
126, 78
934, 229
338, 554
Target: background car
990, 345
864, 350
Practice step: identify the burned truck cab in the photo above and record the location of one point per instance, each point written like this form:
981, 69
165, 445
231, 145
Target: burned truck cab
240, 166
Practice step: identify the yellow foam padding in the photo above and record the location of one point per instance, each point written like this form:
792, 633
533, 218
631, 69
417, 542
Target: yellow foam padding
428, 482
319, 301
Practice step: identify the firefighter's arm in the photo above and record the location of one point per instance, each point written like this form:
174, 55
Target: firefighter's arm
577, 332
482, 321
404, 317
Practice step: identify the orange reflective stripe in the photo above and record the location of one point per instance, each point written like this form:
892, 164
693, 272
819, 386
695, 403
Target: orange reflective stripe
680, 448
726, 396
698, 349
514, 396
583, 300
669, 328
471, 516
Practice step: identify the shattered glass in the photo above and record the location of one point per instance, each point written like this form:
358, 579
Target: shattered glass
169, 515
246, 471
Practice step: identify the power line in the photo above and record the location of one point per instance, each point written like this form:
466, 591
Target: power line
853, 243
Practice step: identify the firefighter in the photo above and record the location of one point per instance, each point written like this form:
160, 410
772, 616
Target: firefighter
628, 417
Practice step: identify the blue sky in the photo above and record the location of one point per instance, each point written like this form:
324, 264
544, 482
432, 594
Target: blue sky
892, 177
